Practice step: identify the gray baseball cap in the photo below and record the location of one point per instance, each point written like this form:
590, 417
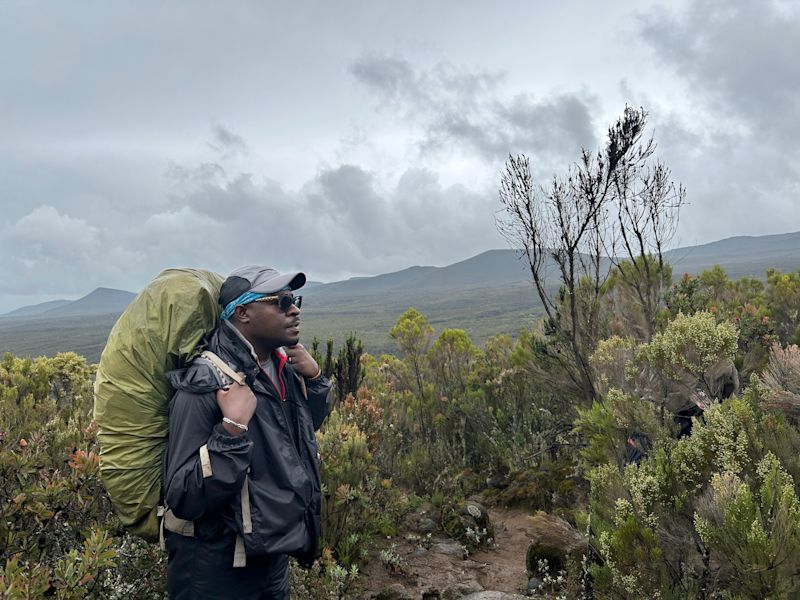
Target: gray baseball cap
258, 279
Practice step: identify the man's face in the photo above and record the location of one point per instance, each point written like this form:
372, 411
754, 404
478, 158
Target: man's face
269, 327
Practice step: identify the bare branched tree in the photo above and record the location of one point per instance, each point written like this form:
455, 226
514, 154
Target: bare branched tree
616, 209
648, 205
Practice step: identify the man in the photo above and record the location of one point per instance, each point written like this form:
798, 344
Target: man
241, 481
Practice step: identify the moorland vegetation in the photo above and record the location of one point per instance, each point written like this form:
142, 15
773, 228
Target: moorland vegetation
658, 415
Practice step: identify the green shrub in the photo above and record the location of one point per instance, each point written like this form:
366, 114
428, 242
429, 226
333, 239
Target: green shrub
58, 533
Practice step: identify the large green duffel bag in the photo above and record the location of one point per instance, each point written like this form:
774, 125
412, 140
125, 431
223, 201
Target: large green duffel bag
162, 329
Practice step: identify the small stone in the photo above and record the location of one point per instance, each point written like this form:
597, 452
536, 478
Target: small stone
426, 525
460, 590
449, 549
534, 583
394, 592
419, 551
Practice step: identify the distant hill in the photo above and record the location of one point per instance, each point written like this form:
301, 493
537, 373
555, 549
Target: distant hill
36, 309
486, 295
101, 301
493, 267
741, 256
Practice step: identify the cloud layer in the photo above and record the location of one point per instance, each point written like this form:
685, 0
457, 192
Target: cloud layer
736, 146
355, 139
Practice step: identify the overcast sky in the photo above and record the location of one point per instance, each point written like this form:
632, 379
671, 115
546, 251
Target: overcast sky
357, 138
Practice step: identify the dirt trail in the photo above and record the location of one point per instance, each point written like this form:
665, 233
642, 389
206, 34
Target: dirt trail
435, 566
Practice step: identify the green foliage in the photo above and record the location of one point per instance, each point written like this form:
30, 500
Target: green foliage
355, 499
762, 314
783, 300
325, 580
413, 333
756, 528
58, 534
690, 345
550, 487
472, 419
451, 359
714, 514
632, 558
347, 370
608, 428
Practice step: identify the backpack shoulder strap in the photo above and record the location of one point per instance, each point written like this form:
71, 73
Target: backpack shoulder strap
223, 367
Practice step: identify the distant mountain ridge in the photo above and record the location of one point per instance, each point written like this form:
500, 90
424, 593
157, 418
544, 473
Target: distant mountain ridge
36, 309
740, 256
100, 301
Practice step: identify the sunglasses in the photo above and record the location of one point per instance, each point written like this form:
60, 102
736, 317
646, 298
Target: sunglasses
284, 302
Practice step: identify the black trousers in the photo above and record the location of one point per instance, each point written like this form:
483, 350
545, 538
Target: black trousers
203, 569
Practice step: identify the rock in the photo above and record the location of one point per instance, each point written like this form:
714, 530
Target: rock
460, 590
419, 551
449, 549
468, 522
494, 596
421, 519
554, 540
394, 592
474, 510
497, 480
427, 525
534, 583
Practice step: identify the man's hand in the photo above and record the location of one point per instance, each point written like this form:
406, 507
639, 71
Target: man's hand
302, 361
238, 403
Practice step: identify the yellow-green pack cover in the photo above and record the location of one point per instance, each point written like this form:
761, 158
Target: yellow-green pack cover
162, 329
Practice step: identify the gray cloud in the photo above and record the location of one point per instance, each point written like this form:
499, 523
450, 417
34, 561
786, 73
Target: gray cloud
740, 54
342, 218
48, 252
464, 110
736, 148
227, 143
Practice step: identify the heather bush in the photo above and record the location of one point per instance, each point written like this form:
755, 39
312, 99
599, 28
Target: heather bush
357, 503
457, 420
713, 514
58, 534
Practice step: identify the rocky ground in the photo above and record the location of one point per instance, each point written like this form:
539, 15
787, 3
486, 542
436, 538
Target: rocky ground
423, 562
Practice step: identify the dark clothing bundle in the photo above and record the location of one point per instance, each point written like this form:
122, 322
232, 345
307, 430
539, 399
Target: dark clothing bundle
258, 492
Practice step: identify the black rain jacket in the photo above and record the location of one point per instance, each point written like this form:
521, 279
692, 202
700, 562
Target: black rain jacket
283, 482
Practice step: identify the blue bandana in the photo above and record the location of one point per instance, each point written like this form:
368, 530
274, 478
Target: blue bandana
245, 298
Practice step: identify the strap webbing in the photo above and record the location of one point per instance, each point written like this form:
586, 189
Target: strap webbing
247, 523
222, 366
178, 525
239, 555
161, 543
205, 461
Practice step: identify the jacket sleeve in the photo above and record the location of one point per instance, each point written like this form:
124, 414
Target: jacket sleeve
319, 399
205, 467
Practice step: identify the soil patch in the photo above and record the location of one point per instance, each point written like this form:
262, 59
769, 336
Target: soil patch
421, 565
